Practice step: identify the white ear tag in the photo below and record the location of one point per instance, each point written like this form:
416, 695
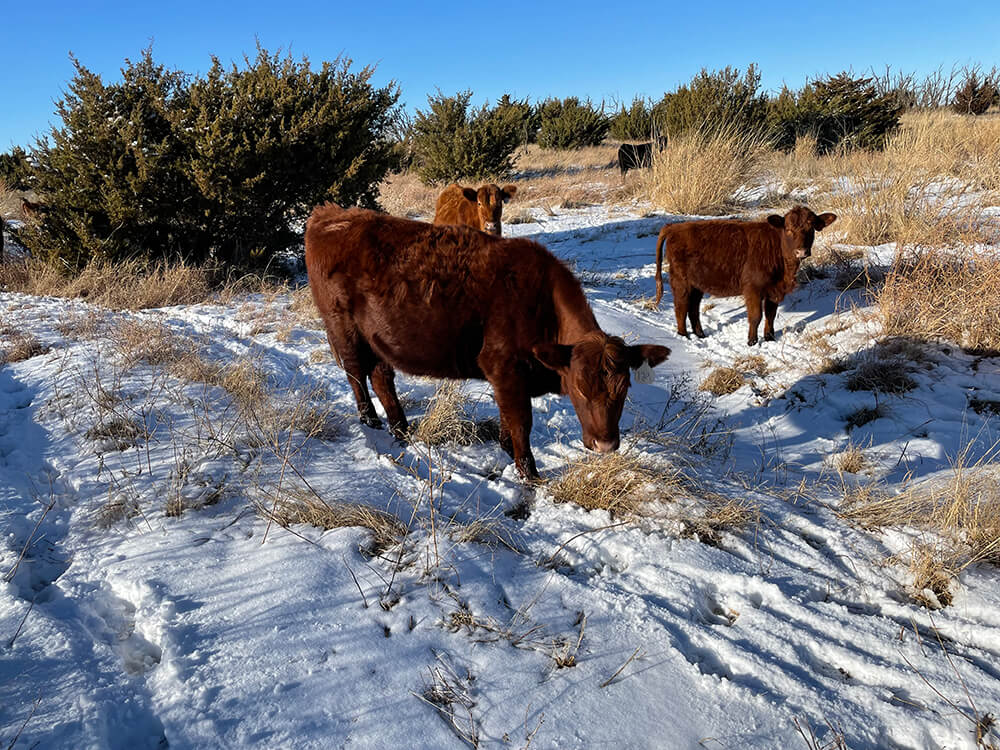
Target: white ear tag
644, 373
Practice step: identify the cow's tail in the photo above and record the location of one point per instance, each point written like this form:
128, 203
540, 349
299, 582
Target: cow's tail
659, 264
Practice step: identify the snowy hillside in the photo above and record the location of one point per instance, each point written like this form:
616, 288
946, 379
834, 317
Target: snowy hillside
154, 596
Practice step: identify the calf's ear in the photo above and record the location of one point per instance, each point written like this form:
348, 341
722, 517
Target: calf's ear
508, 192
554, 356
825, 220
778, 222
470, 194
653, 354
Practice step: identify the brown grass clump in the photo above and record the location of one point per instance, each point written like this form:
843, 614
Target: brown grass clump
19, 346
962, 511
752, 364
405, 195
863, 416
124, 285
722, 381
116, 433
718, 514
149, 342
302, 507
852, 460
449, 419
303, 309
532, 158
881, 375
619, 483
699, 173
933, 294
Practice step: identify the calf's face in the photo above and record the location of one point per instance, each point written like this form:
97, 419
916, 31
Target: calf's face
798, 230
489, 200
594, 373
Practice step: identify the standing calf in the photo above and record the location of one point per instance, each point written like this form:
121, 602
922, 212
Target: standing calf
450, 302
756, 259
480, 209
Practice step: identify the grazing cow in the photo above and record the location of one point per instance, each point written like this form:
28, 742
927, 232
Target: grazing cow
636, 155
480, 209
451, 302
726, 258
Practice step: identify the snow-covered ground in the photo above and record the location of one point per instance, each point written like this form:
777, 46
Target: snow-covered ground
147, 603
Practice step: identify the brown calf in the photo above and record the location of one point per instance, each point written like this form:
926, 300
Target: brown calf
451, 302
480, 209
756, 259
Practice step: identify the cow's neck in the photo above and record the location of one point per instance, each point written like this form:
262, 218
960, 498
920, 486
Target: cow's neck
574, 317
791, 270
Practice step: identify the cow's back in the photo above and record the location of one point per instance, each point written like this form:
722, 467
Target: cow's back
721, 257
425, 296
454, 208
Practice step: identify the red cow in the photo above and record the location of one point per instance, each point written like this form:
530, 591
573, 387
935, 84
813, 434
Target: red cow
480, 209
451, 302
726, 258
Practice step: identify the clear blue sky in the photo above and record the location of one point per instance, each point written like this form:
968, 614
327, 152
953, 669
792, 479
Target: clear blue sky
601, 50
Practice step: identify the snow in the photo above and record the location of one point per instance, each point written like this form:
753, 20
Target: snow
212, 628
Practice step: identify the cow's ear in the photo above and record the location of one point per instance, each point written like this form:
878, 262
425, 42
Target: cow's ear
470, 194
651, 354
508, 192
825, 220
554, 356
778, 222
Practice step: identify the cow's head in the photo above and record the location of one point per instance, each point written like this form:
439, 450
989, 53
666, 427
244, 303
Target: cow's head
594, 372
798, 229
489, 200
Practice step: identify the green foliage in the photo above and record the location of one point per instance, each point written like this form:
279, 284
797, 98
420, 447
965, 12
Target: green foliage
634, 123
570, 123
526, 114
840, 111
220, 167
452, 140
16, 171
975, 95
713, 101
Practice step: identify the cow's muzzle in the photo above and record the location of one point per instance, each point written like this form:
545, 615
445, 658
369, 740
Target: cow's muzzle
492, 228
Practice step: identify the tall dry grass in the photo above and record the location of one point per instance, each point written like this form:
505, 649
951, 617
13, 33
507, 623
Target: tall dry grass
933, 294
699, 173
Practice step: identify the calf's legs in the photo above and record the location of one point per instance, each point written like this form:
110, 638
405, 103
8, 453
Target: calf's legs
358, 361
384, 382
753, 301
694, 312
770, 310
515, 424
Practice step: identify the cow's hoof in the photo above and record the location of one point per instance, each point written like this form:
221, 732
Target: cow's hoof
370, 420
701, 334
400, 431
768, 337
752, 342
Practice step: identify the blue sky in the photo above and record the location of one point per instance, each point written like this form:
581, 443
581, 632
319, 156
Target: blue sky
601, 50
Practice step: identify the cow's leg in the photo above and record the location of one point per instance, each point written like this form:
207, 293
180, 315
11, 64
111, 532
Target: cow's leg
681, 299
770, 310
384, 382
753, 301
358, 361
694, 312
515, 424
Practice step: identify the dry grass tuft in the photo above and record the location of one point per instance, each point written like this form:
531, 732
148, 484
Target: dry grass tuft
19, 346
116, 433
449, 419
124, 285
699, 173
933, 569
933, 294
305, 507
751, 364
962, 511
718, 514
619, 483
303, 308
863, 416
149, 342
852, 460
81, 325
881, 375
405, 195
723, 381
